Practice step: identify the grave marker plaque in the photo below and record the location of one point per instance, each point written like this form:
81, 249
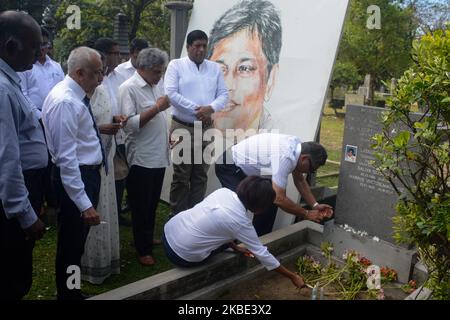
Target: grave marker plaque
365, 199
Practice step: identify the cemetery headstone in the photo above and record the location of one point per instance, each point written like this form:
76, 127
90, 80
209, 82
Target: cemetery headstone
365, 199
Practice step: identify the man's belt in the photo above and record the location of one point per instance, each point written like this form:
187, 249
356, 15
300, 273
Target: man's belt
189, 124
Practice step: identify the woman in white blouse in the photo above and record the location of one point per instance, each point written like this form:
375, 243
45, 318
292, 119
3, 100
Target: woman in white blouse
191, 237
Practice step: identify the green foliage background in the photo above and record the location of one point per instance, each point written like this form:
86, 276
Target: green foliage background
416, 159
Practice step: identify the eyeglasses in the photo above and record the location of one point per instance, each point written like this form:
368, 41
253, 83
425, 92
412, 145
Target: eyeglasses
45, 45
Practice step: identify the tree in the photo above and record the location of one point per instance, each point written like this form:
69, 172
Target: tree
382, 53
344, 74
148, 19
429, 15
35, 8
416, 159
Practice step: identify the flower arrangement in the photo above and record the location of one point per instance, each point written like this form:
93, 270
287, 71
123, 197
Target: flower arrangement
409, 287
356, 276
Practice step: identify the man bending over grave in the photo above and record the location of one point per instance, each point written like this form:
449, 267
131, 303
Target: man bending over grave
193, 236
276, 156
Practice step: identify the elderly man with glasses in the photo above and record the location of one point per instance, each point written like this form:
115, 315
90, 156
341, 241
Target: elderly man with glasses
275, 155
147, 145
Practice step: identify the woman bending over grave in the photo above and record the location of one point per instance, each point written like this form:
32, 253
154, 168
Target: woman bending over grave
193, 236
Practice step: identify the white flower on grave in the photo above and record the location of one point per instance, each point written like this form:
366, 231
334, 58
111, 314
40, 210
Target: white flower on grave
376, 239
364, 234
381, 295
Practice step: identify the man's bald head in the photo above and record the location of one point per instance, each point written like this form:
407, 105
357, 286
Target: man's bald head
20, 39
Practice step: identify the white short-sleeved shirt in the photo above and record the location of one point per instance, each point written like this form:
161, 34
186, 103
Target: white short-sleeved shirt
148, 146
220, 218
268, 154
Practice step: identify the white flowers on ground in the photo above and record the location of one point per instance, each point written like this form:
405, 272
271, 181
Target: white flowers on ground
348, 228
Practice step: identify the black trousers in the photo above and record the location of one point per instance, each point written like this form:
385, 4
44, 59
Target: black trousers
72, 230
16, 266
230, 176
144, 190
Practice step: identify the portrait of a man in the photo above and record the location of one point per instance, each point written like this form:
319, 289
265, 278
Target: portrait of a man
350, 153
246, 41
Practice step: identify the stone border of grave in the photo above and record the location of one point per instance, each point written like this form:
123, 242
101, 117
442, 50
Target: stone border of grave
226, 269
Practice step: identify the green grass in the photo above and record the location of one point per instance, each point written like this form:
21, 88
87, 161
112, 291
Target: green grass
44, 287
331, 135
44, 253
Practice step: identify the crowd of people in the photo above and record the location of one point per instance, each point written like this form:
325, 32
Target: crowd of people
76, 141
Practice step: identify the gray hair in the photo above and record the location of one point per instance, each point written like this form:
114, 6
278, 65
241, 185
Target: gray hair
80, 58
255, 15
150, 57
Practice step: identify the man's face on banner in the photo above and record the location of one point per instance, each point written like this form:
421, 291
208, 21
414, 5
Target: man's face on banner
245, 71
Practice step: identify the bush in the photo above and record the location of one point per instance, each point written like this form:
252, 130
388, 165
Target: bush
415, 157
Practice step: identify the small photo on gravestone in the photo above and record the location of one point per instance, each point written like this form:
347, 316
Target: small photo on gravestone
350, 153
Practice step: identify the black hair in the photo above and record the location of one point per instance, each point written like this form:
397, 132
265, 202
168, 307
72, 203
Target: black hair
256, 15
138, 44
256, 193
316, 152
104, 44
196, 35
45, 32
15, 24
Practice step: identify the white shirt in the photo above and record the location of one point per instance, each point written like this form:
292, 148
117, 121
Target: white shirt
189, 87
112, 82
268, 154
71, 137
125, 70
37, 82
220, 218
147, 146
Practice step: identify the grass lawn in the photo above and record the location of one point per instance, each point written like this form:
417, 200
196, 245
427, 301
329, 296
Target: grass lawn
44, 253
44, 287
331, 135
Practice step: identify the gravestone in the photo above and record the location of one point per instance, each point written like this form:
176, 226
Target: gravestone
365, 199
355, 99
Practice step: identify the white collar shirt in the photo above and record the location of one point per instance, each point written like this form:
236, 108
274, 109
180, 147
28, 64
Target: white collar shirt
268, 154
71, 137
148, 146
125, 70
189, 87
220, 218
37, 82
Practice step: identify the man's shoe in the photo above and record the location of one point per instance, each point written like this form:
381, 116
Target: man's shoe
146, 260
